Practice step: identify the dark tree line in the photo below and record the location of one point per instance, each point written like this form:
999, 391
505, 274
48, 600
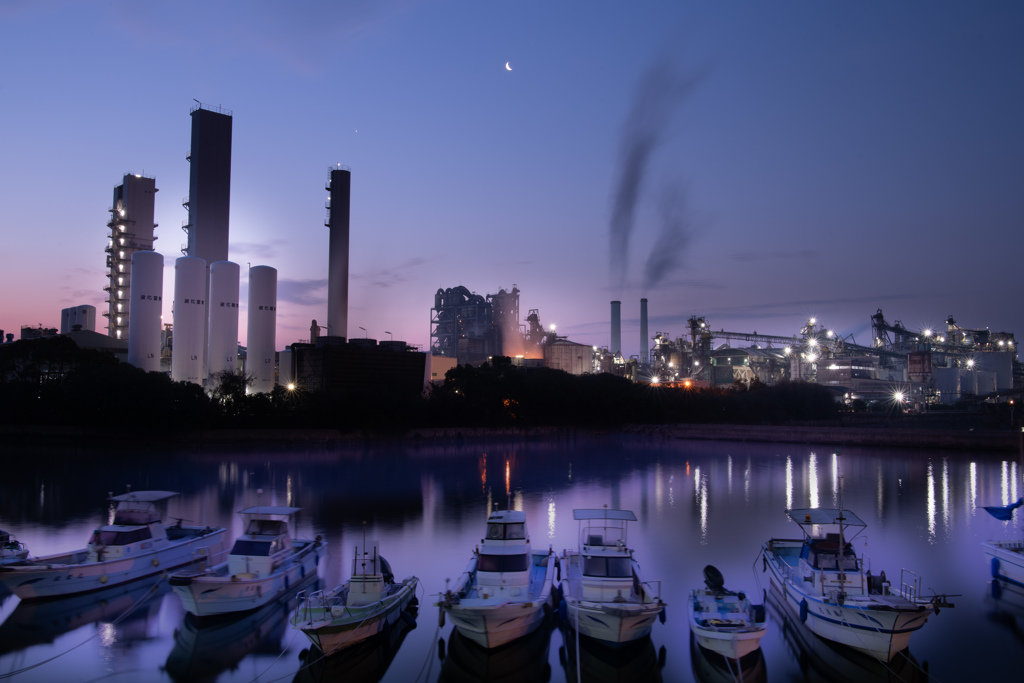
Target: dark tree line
53, 382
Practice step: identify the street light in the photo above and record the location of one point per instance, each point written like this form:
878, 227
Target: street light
364, 332
390, 335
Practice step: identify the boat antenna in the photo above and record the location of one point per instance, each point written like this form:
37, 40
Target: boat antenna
842, 544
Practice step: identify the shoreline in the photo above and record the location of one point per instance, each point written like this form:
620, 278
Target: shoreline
895, 437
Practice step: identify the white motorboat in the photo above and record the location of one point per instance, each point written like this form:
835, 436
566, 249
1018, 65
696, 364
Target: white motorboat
360, 608
11, 549
833, 591
263, 565
1006, 560
604, 593
134, 545
724, 621
505, 592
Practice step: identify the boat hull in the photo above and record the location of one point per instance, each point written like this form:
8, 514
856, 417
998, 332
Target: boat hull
494, 622
612, 622
722, 623
1007, 560
869, 624
206, 594
332, 630
54, 576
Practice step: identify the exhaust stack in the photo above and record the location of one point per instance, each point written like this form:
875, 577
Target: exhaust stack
644, 344
616, 345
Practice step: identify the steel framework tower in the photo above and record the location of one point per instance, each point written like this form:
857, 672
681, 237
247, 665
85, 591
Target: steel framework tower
131, 229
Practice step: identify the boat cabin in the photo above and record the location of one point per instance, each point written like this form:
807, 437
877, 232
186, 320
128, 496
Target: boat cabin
136, 526
371, 575
503, 559
265, 543
606, 560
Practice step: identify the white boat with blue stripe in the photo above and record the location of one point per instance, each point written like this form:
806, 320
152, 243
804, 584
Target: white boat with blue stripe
133, 546
834, 593
263, 565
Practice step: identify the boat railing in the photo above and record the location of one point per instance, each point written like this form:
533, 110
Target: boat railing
315, 603
649, 588
910, 585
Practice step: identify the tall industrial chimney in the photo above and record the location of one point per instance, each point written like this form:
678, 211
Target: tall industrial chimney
616, 345
339, 185
644, 344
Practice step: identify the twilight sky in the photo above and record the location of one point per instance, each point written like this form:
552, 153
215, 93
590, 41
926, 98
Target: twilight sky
757, 163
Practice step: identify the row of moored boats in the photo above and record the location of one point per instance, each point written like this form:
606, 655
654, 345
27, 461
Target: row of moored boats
508, 588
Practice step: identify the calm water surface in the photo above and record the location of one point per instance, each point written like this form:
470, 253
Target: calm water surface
698, 503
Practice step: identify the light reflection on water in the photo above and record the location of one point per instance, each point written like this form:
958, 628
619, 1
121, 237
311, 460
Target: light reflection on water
427, 505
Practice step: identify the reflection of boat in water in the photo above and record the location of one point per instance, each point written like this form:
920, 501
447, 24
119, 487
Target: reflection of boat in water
524, 660
263, 565
203, 648
711, 667
131, 607
1006, 601
505, 592
134, 546
822, 580
365, 662
604, 592
823, 660
724, 621
635, 661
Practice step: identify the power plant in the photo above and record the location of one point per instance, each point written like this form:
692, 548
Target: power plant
918, 367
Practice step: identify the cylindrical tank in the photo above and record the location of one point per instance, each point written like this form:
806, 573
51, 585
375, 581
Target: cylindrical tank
616, 345
285, 371
85, 317
189, 319
223, 348
261, 328
144, 310
65, 320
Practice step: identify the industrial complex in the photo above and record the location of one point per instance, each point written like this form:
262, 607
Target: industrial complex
916, 368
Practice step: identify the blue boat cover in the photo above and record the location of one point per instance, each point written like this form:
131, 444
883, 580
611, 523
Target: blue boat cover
1003, 512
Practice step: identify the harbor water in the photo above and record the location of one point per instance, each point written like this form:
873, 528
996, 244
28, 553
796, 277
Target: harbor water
426, 503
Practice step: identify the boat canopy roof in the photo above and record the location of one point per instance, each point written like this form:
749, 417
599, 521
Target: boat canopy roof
605, 513
144, 496
822, 516
274, 512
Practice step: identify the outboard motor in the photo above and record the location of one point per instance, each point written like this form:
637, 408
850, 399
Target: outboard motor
713, 579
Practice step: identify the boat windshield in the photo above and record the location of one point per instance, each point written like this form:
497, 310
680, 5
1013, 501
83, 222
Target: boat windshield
266, 527
251, 548
614, 567
503, 563
505, 532
121, 537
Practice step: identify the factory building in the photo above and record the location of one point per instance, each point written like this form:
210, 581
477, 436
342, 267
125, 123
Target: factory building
131, 230
356, 366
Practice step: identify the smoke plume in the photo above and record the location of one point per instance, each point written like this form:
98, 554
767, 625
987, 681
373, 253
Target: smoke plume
658, 93
673, 240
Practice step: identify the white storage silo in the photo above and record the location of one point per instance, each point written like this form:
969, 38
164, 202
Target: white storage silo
144, 309
189, 319
223, 348
85, 317
261, 328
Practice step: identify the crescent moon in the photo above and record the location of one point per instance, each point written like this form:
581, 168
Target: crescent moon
507, 67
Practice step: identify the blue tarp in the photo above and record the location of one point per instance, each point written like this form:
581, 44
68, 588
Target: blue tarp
1003, 512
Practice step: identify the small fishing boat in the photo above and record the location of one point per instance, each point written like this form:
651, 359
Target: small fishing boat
604, 593
724, 621
11, 549
360, 608
833, 591
264, 564
505, 592
134, 545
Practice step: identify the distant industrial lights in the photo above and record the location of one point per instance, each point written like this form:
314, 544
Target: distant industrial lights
811, 357
899, 396
121, 211
927, 333
814, 321
812, 342
654, 380
291, 386
829, 334
787, 350
970, 362
552, 327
